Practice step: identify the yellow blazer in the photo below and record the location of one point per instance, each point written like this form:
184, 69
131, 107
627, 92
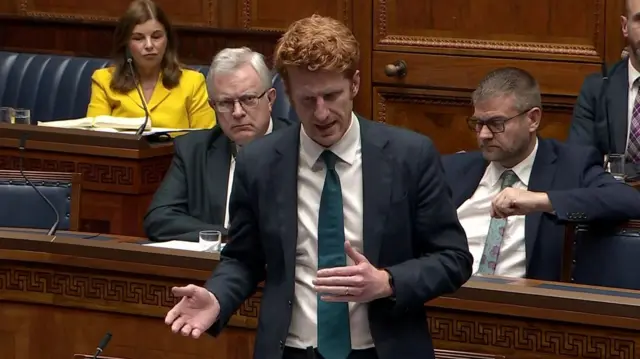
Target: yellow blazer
184, 106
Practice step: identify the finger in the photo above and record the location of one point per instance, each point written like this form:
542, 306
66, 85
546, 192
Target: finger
352, 281
195, 333
178, 324
339, 271
354, 254
188, 291
186, 330
173, 313
332, 290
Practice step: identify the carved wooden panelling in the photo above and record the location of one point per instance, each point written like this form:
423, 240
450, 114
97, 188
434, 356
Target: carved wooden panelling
442, 116
557, 29
39, 284
523, 340
191, 12
269, 16
151, 172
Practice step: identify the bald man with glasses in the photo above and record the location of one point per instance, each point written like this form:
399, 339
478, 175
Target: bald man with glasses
516, 194
194, 195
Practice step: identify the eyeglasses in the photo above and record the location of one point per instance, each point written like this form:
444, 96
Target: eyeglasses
246, 101
494, 124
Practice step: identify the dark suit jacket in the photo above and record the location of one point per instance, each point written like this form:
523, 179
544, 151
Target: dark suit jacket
410, 228
579, 190
193, 194
595, 104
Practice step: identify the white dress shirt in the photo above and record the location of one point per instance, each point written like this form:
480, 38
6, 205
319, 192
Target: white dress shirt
303, 331
475, 216
633, 92
232, 169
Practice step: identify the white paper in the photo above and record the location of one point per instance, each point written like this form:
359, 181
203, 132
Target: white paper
184, 245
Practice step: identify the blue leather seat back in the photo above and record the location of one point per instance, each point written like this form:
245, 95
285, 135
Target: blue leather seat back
53, 87
607, 258
22, 206
282, 107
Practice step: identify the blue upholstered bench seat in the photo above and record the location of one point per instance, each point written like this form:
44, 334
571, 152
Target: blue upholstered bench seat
56, 87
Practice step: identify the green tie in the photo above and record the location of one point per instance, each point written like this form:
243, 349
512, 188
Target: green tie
334, 337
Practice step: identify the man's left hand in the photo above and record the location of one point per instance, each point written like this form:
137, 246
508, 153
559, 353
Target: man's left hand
361, 282
516, 202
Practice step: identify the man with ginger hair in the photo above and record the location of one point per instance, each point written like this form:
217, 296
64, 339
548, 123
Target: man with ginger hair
348, 222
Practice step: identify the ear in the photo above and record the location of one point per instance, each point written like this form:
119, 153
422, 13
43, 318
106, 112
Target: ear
271, 96
534, 116
355, 84
624, 25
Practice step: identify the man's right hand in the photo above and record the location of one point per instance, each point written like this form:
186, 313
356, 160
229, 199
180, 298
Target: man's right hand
195, 313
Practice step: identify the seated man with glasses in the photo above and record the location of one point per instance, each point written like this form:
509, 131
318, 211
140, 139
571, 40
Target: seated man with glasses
194, 194
516, 194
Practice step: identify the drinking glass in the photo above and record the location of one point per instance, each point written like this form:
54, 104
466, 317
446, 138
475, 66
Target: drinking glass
6, 114
210, 241
616, 166
22, 116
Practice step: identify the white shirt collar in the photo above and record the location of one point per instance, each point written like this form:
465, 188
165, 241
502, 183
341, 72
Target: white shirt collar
633, 74
346, 148
522, 170
270, 128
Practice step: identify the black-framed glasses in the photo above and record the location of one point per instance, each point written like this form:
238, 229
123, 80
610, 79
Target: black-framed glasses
494, 124
246, 101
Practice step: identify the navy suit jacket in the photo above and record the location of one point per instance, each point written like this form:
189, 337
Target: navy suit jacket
600, 114
577, 185
193, 194
410, 228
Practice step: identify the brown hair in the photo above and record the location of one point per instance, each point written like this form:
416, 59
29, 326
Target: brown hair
139, 12
510, 81
317, 43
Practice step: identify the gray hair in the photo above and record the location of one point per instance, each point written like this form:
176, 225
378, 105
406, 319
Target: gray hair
510, 81
230, 59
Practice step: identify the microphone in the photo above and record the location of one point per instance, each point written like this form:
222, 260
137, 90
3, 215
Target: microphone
103, 344
603, 105
54, 228
144, 103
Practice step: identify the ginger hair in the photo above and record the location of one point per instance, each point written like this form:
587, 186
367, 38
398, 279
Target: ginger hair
317, 43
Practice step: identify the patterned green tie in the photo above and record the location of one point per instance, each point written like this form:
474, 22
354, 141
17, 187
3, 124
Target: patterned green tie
492, 245
334, 337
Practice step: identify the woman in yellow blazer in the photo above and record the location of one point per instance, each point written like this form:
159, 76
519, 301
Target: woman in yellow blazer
176, 97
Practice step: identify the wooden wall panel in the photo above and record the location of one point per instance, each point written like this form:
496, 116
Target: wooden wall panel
263, 15
522, 28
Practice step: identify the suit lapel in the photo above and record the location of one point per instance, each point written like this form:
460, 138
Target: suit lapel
160, 93
618, 103
217, 164
284, 184
469, 178
377, 175
542, 175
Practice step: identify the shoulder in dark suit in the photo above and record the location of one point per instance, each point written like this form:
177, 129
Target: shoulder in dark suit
193, 194
577, 185
410, 228
589, 125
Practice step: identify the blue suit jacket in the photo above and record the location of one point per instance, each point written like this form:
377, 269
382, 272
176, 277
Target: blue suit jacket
410, 228
577, 185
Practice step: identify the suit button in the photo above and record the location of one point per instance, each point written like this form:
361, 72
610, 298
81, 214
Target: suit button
281, 345
290, 303
574, 261
573, 279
